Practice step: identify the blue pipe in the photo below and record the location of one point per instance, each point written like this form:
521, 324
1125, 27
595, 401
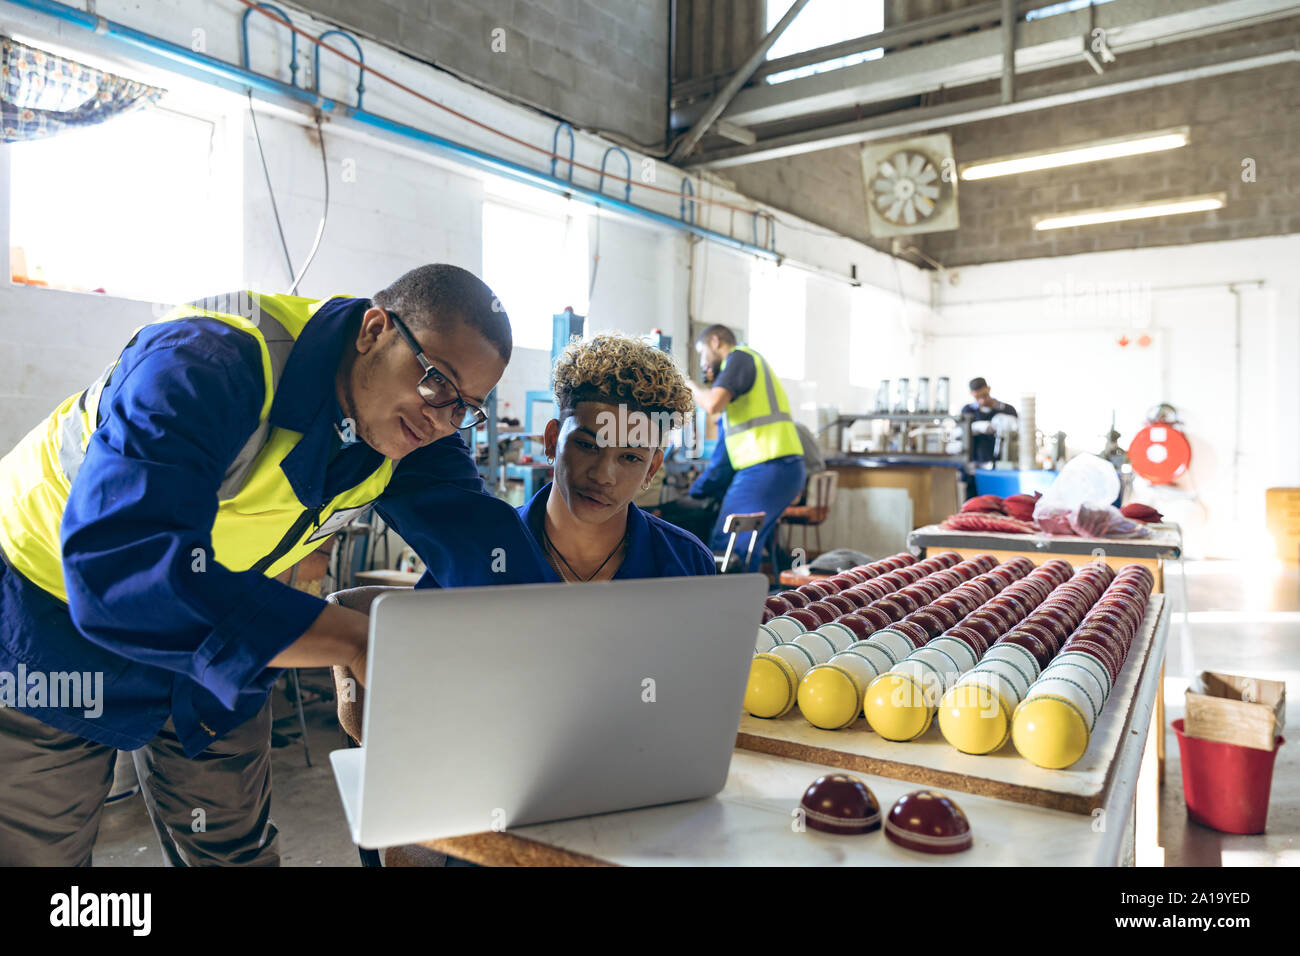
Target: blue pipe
771, 231
293, 40
555, 149
217, 72
687, 188
361, 58
600, 184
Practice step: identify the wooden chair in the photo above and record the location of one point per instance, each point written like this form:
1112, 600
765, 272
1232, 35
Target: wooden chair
819, 498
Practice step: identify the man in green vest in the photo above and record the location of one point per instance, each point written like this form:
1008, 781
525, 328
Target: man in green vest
763, 448
143, 523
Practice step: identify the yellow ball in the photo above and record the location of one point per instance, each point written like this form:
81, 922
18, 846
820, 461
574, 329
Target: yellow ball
974, 719
895, 707
772, 687
830, 697
1050, 732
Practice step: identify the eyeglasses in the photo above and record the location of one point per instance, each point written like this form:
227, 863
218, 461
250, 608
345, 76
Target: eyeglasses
435, 388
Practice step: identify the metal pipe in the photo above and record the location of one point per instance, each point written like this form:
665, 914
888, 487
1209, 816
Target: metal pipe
1238, 392
1008, 51
1176, 287
293, 39
361, 56
738, 79
217, 72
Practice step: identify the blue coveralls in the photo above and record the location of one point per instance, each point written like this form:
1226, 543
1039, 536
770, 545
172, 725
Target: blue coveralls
182, 401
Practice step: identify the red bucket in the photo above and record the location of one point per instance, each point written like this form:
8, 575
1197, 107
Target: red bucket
1226, 786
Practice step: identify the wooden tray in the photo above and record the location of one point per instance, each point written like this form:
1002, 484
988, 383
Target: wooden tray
932, 761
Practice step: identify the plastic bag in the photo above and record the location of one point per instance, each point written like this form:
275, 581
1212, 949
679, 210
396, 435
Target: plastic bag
1121, 526
1079, 502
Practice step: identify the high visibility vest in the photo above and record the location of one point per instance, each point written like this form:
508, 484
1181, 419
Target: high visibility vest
759, 424
260, 525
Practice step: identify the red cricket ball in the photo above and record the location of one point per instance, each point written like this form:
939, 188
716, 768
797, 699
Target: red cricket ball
824, 610
929, 822
1043, 654
840, 804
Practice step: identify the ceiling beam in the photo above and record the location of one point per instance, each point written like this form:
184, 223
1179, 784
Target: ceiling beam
977, 57
1130, 79
1008, 50
957, 21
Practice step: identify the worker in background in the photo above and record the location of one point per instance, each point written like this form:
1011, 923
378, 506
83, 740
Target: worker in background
981, 411
714, 481
762, 444
142, 525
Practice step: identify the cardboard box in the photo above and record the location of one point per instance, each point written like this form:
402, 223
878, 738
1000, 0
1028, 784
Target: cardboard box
1282, 519
1247, 711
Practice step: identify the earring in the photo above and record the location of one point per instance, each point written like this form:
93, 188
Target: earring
550, 459
646, 486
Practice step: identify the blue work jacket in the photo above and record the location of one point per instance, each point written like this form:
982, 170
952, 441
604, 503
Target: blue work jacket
197, 647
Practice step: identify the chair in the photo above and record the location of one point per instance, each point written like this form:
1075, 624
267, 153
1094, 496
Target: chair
738, 524
819, 498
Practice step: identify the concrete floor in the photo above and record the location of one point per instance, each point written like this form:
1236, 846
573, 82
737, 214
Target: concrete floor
1244, 619
305, 802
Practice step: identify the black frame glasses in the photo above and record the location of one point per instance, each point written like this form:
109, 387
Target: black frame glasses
472, 415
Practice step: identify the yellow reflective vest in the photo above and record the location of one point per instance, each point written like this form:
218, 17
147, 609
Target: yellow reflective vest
260, 525
759, 424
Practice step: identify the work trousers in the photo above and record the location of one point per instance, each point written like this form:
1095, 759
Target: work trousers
770, 487
214, 810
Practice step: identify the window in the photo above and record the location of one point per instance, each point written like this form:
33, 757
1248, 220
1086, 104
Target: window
820, 24
777, 313
535, 260
157, 215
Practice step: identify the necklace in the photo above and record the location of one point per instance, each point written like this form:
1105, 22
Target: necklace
550, 547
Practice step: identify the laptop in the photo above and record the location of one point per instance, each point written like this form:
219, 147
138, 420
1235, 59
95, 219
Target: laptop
489, 708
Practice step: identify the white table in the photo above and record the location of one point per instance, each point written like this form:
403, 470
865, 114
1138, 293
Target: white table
750, 822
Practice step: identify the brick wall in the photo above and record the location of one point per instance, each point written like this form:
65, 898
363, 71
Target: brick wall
1253, 114
601, 65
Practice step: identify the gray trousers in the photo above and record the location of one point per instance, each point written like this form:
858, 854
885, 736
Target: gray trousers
214, 810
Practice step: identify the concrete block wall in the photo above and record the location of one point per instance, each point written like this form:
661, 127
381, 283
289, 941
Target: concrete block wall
600, 65
825, 187
1253, 114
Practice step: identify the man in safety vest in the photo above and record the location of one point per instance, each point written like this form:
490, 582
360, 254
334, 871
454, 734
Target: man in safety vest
762, 443
142, 525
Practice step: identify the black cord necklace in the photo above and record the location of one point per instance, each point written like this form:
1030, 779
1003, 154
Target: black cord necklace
550, 547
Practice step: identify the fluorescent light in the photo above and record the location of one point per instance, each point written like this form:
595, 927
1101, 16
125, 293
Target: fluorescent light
1073, 155
1146, 210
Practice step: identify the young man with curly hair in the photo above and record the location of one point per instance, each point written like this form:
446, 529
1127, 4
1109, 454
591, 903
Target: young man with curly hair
619, 399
